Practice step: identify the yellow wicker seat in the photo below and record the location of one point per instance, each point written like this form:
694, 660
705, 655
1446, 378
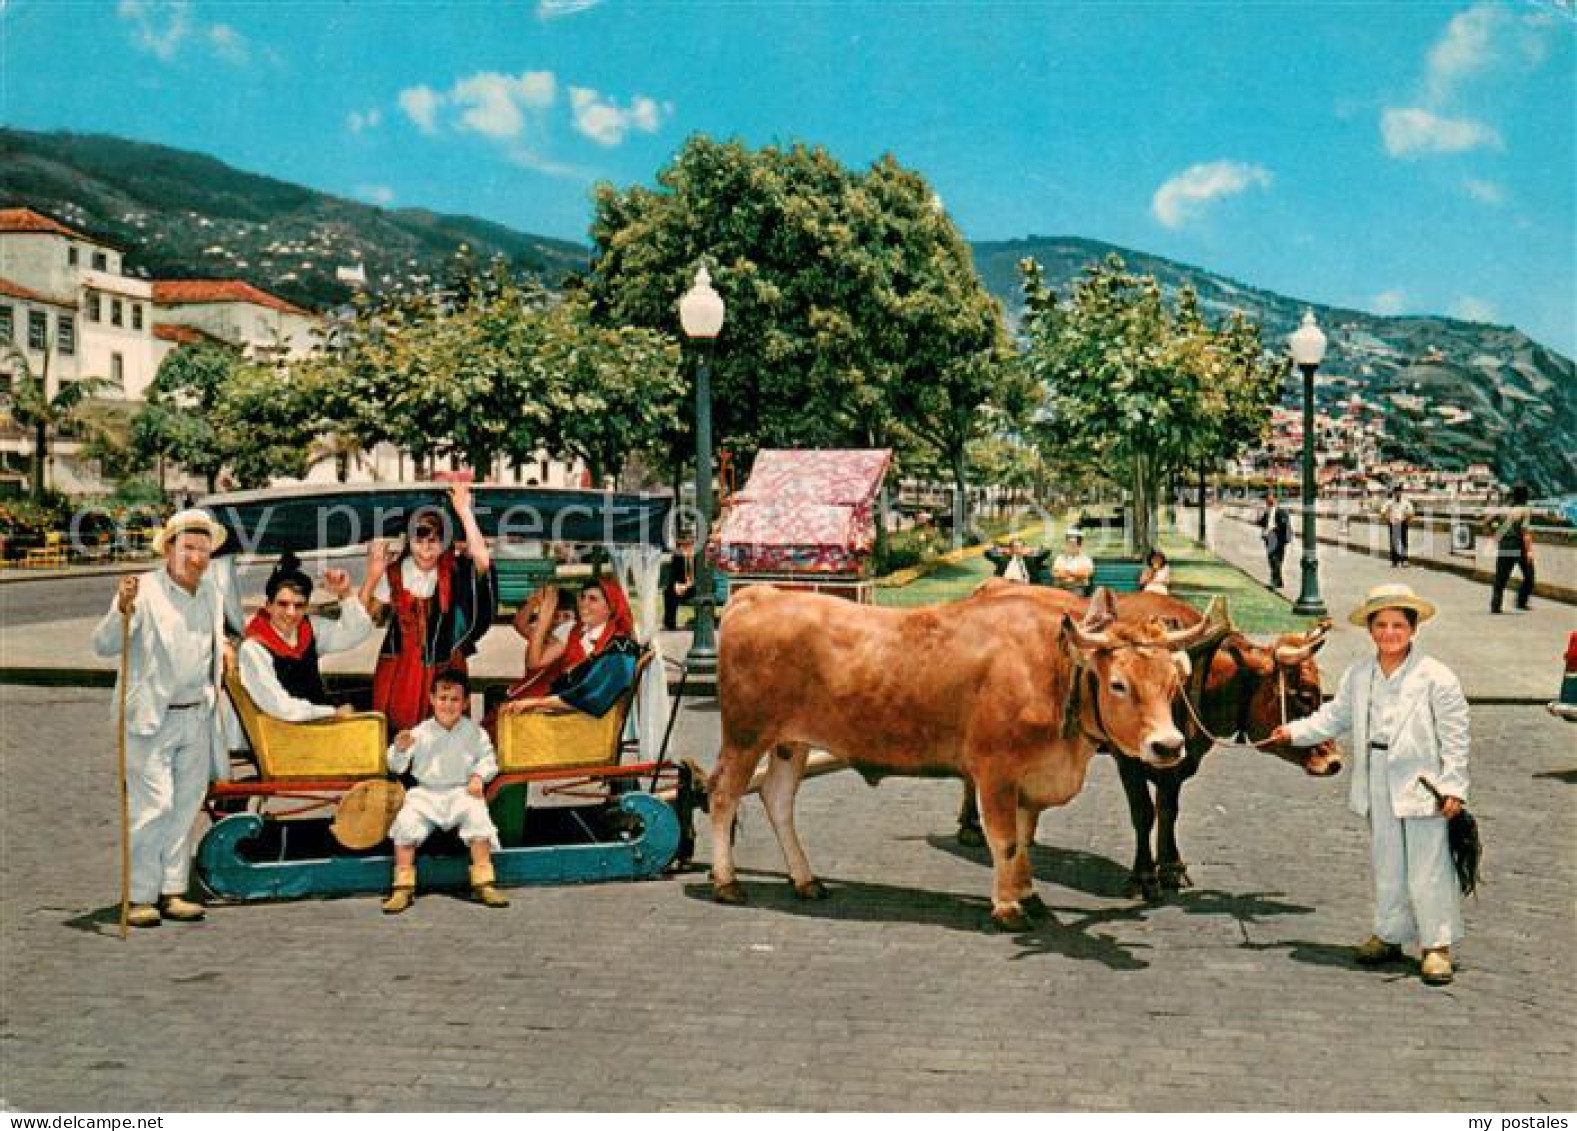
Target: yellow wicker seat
570, 741
352, 746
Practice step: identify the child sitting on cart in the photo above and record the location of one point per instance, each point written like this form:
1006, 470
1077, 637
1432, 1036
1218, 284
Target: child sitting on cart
452, 760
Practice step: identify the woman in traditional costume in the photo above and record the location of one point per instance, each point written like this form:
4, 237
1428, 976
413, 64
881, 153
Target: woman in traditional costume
440, 598
595, 661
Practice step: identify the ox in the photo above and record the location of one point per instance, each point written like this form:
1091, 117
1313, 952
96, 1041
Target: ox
1240, 691
1013, 699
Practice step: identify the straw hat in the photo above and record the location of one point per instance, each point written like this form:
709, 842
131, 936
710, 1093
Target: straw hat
180, 522
366, 813
1393, 595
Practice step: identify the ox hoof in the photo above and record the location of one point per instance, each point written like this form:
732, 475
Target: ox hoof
732, 893
1175, 877
971, 837
812, 889
1011, 920
1143, 886
1035, 907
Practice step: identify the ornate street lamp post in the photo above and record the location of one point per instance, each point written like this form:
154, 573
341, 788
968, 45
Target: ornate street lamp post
1308, 350
701, 315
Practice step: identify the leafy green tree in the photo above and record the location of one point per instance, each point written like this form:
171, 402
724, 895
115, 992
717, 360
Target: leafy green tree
185, 395
32, 405
263, 419
849, 293
1141, 386
610, 393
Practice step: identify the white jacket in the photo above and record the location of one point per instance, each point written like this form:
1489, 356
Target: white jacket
151, 683
1430, 736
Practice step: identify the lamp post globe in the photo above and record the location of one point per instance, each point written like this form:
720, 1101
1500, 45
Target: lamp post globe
1307, 345
701, 313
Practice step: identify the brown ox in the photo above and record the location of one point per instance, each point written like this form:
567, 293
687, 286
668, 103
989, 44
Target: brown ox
1244, 693
1013, 699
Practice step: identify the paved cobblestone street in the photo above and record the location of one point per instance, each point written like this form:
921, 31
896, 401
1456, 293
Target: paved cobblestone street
1238, 994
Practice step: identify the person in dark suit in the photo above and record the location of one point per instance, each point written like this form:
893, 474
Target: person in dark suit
1018, 562
1276, 529
680, 583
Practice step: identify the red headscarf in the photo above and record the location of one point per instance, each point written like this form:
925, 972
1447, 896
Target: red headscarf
620, 623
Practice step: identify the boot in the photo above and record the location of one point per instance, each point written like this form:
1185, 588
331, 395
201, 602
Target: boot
404, 892
1374, 951
180, 910
1436, 967
482, 889
143, 915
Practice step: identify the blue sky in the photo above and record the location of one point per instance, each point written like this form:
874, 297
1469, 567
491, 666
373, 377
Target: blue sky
1396, 157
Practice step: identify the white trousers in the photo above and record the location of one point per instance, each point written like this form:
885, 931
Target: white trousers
1415, 886
427, 810
166, 780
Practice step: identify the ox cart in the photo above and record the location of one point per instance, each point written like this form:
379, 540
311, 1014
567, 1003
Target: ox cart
280, 822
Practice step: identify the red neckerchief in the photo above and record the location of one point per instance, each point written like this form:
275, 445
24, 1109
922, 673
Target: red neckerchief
261, 629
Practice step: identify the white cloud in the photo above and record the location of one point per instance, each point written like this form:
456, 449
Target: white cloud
1185, 196
1471, 309
421, 104
553, 9
159, 26
360, 121
376, 194
606, 122
495, 105
1393, 301
1466, 47
228, 43
1412, 130
163, 28
1485, 192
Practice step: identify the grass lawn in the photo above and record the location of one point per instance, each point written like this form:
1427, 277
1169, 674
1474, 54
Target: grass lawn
1197, 576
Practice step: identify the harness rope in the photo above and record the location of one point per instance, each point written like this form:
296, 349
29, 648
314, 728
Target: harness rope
1281, 699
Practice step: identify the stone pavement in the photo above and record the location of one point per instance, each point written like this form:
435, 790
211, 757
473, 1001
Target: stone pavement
1238, 994
1512, 657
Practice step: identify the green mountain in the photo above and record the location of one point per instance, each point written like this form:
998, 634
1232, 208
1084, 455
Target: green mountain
1453, 392
186, 215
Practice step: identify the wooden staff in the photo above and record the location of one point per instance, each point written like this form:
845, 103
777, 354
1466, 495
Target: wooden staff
120, 750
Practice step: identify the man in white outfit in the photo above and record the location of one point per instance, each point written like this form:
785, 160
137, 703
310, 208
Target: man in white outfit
175, 743
1409, 723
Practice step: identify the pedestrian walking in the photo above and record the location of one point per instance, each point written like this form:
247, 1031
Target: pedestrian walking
1276, 530
172, 623
1513, 549
1409, 724
1398, 513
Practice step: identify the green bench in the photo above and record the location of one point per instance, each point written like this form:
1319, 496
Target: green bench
1120, 575
518, 578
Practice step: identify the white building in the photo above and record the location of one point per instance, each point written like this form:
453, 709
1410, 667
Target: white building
238, 313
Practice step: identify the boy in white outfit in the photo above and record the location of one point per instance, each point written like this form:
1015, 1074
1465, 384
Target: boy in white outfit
452, 760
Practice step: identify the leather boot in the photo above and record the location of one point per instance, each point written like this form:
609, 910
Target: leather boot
1436, 967
482, 889
143, 915
180, 910
1374, 950
404, 891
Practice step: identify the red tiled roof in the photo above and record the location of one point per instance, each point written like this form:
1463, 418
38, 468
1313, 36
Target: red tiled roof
16, 290
183, 335
27, 220
177, 292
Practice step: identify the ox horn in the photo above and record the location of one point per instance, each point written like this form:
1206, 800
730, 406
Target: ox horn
1215, 624
1084, 636
1290, 655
